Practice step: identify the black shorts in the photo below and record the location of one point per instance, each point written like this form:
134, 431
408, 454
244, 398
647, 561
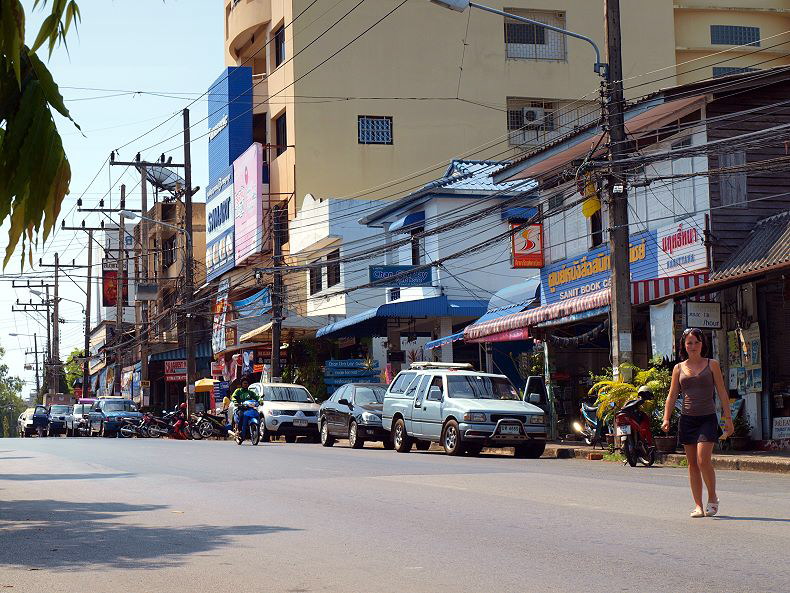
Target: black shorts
698, 429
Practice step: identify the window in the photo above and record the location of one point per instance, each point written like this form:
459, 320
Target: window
531, 121
732, 186
168, 252
524, 41
281, 130
596, 229
416, 258
374, 129
333, 268
316, 278
436, 389
421, 389
401, 382
259, 134
734, 35
682, 187
727, 70
394, 294
279, 46
556, 201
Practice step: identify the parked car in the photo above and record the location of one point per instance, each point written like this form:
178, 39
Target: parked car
354, 413
106, 415
461, 409
287, 410
57, 419
77, 420
34, 420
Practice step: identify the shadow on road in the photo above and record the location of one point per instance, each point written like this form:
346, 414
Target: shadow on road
7, 458
36, 477
760, 519
56, 534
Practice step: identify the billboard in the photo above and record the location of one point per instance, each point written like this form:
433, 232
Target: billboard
385, 276
229, 119
247, 205
110, 283
527, 246
220, 245
175, 371
681, 247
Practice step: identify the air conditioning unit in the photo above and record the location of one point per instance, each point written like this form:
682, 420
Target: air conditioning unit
534, 118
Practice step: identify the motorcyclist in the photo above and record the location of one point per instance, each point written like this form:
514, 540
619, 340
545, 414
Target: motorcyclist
242, 394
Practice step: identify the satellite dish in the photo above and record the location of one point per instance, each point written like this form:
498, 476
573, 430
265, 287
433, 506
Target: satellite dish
163, 178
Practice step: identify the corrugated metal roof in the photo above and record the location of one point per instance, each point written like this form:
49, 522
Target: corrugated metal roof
768, 246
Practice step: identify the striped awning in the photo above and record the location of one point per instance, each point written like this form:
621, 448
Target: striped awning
642, 292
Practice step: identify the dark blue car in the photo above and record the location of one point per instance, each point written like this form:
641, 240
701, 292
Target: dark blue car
107, 415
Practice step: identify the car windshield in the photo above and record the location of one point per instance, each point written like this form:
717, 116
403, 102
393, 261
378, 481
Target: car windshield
40, 410
480, 387
287, 394
59, 410
81, 408
369, 395
121, 406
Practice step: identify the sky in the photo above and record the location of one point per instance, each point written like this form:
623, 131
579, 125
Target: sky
171, 47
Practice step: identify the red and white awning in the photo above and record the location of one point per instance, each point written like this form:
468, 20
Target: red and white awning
642, 292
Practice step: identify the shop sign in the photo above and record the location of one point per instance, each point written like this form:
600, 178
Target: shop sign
175, 370
703, 315
217, 369
229, 119
220, 317
781, 428
352, 363
383, 276
681, 247
220, 241
527, 246
591, 271
247, 202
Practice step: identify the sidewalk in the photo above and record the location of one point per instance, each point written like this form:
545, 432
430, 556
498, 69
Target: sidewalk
758, 461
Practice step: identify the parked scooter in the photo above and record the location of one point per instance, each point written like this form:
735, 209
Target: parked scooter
633, 431
210, 425
252, 418
594, 430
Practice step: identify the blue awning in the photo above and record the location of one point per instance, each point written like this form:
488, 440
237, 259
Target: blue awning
518, 213
513, 299
374, 321
444, 341
256, 305
408, 221
202, 351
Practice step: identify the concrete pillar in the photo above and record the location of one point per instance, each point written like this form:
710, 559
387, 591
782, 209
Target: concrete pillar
393, 345
489, 349
445, 329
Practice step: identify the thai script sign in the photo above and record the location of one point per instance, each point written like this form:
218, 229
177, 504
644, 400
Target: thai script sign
175, 370
681, 247
383, 276
781, 428
527, 245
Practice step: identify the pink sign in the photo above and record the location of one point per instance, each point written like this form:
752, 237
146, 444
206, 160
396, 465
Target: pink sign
248, 208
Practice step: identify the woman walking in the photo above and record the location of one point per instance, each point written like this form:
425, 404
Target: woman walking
699, 379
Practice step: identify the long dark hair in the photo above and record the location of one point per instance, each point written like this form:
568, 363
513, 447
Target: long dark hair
697, 333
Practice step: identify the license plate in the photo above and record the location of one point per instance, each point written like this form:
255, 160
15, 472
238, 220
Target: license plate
298, 422
623, 430
509, 429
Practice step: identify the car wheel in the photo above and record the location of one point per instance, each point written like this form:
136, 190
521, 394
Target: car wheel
353, 436
529, 450
401, 440
422, 445
327, 440
451, 438
388, 444
290, 438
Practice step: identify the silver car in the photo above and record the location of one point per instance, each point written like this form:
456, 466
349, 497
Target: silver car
461, 409
287, 410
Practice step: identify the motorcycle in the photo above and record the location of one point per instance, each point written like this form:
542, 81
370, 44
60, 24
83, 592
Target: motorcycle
172, 424
209, 425
594, 430
133, 427
633, 434
252, 418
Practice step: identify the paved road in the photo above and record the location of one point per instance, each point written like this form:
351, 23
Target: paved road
112, 515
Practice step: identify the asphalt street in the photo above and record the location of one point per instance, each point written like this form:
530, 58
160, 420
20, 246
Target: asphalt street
113, 515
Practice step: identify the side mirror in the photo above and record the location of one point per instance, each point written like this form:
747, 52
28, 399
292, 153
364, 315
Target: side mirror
343, 401
533, 398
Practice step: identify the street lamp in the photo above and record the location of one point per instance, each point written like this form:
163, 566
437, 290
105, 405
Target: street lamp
462, 5
60, 298
134, 215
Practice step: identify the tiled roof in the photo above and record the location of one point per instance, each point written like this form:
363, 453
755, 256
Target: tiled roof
464, 175
768, 246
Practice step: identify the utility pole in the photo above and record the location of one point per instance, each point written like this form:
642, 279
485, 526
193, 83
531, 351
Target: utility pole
86, 373
277, 290
190, 272
143, 327
120, 283
618, 194
55, 362
35, 355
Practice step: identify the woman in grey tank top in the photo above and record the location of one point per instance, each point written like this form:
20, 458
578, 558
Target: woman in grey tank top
699, 379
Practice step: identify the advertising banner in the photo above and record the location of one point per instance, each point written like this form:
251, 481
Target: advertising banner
229, 119
110, 284
175, 370
220, 242
254, 306
218, 343
247, 362
247, 202
217, 369
527, 246
681, 247
382, 276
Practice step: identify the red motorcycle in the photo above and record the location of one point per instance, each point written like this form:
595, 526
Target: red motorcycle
633, 434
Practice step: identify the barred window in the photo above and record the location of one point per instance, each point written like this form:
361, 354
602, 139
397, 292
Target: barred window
524, 41
374, 129
316, 278
727, 70
556, 201
333, 268
532, 121
734, 35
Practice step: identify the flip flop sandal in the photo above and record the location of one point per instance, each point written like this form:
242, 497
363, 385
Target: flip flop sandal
697, 513
712, 508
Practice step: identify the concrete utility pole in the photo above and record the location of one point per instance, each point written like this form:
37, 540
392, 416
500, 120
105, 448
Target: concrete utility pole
86, 373
120, 283
277, 292
143, 329
55, 362
190, 271
35, 355
618, 194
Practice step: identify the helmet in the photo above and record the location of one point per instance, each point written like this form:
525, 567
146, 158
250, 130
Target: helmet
183, 406
645, 392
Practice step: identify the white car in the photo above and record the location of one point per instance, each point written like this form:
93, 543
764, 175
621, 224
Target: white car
286, 410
